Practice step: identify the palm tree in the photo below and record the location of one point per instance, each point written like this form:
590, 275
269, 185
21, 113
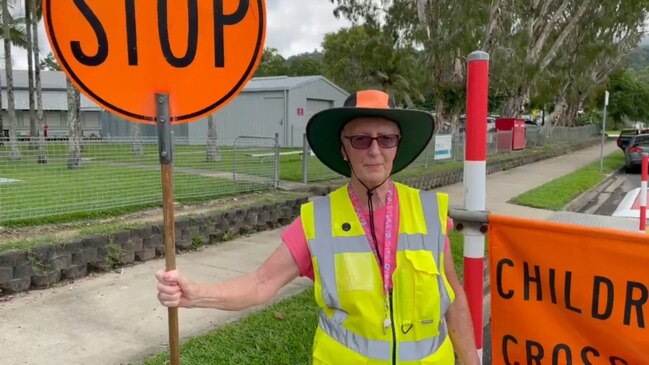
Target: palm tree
213, 154
138, 147
37, 15
74, 142
7, 25
33, 132
17, 37
33, 14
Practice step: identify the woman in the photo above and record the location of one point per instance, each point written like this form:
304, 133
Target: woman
376, 250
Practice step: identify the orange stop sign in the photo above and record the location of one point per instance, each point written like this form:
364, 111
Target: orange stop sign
120, 53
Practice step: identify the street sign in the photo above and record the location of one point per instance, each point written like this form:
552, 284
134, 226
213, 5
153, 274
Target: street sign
443, 147
120, 54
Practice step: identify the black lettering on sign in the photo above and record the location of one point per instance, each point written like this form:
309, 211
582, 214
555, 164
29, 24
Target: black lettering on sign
553, 291
102, 40
617, 361
567, 292
508, 338
637, 303
220, 21
192, 34
584, 354
534, 352
499, 279
131, 33
532, 279
566, 359
597, 284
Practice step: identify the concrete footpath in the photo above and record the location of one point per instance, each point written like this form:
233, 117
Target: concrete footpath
115, 318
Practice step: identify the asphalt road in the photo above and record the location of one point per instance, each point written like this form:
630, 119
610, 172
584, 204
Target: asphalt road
606, 203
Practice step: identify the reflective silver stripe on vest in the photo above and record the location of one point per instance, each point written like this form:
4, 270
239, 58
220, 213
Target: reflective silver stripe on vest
436, 238
322, 249
417, 350
380, 350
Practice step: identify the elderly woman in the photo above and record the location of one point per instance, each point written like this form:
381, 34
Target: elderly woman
376, 250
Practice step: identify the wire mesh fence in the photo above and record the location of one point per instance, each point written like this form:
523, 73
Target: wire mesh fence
450, 148
124, 174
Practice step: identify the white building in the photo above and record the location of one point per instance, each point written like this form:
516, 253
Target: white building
55, 105
267, 105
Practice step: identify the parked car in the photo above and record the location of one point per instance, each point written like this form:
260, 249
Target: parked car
491, 124
626, 135
637, 145
532, 126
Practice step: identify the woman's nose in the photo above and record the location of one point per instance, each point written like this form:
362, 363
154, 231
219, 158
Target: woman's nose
374, 147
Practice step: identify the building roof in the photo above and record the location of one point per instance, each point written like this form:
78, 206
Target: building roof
282, 83
55, 81
50, 80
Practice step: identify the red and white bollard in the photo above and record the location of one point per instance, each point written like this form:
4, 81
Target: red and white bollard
643, 193
475, 181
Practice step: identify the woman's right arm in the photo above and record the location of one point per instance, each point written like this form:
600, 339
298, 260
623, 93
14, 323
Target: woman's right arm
239, 293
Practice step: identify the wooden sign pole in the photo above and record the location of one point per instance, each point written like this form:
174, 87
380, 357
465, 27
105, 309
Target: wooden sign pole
165, 148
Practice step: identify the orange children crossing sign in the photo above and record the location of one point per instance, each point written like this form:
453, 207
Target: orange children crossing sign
120, 53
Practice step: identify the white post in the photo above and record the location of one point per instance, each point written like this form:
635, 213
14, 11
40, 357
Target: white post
601, 150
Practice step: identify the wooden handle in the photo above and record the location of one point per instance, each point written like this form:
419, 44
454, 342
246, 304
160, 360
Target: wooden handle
170, 254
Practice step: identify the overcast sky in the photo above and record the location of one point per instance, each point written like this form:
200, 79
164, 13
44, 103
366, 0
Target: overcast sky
294, 26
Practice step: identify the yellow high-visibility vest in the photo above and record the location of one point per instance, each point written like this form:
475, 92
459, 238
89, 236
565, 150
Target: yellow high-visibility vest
349, 285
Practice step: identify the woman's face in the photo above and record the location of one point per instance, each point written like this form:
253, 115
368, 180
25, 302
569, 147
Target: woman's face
371, 160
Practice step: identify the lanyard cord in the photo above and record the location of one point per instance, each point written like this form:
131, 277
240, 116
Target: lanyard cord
370, 205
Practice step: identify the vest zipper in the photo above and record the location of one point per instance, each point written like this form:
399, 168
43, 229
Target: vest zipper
394, 332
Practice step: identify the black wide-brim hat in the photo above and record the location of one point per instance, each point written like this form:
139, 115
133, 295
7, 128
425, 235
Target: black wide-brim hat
324, 128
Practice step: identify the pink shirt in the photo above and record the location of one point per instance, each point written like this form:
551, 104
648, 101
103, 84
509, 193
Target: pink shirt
295, 239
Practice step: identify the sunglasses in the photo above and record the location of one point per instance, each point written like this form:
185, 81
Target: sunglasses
362, 142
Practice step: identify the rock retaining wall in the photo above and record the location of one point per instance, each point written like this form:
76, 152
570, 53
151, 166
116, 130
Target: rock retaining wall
46, 265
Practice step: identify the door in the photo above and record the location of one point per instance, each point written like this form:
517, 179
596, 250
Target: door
313, 106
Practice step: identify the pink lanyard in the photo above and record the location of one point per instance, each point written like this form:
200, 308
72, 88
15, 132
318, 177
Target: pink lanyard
387, 242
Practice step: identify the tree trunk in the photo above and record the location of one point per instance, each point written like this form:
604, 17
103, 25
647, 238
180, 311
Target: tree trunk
79, 122
138, 148
74, 144
42, 152
2, 126
33, 129
514, 105
491, 26
14, 153
37, 77
213, 153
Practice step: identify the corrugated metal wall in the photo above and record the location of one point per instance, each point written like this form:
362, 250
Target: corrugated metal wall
310, 98
252, 113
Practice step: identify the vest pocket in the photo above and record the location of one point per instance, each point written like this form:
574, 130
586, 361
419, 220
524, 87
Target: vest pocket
356, 271
424, 279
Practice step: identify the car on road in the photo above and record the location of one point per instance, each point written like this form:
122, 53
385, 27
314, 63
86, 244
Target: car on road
532, 126
626, 135
637, 145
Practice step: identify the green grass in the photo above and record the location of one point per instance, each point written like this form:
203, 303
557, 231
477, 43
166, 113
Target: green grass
52, 193
558, 193
280, 334
264, 338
